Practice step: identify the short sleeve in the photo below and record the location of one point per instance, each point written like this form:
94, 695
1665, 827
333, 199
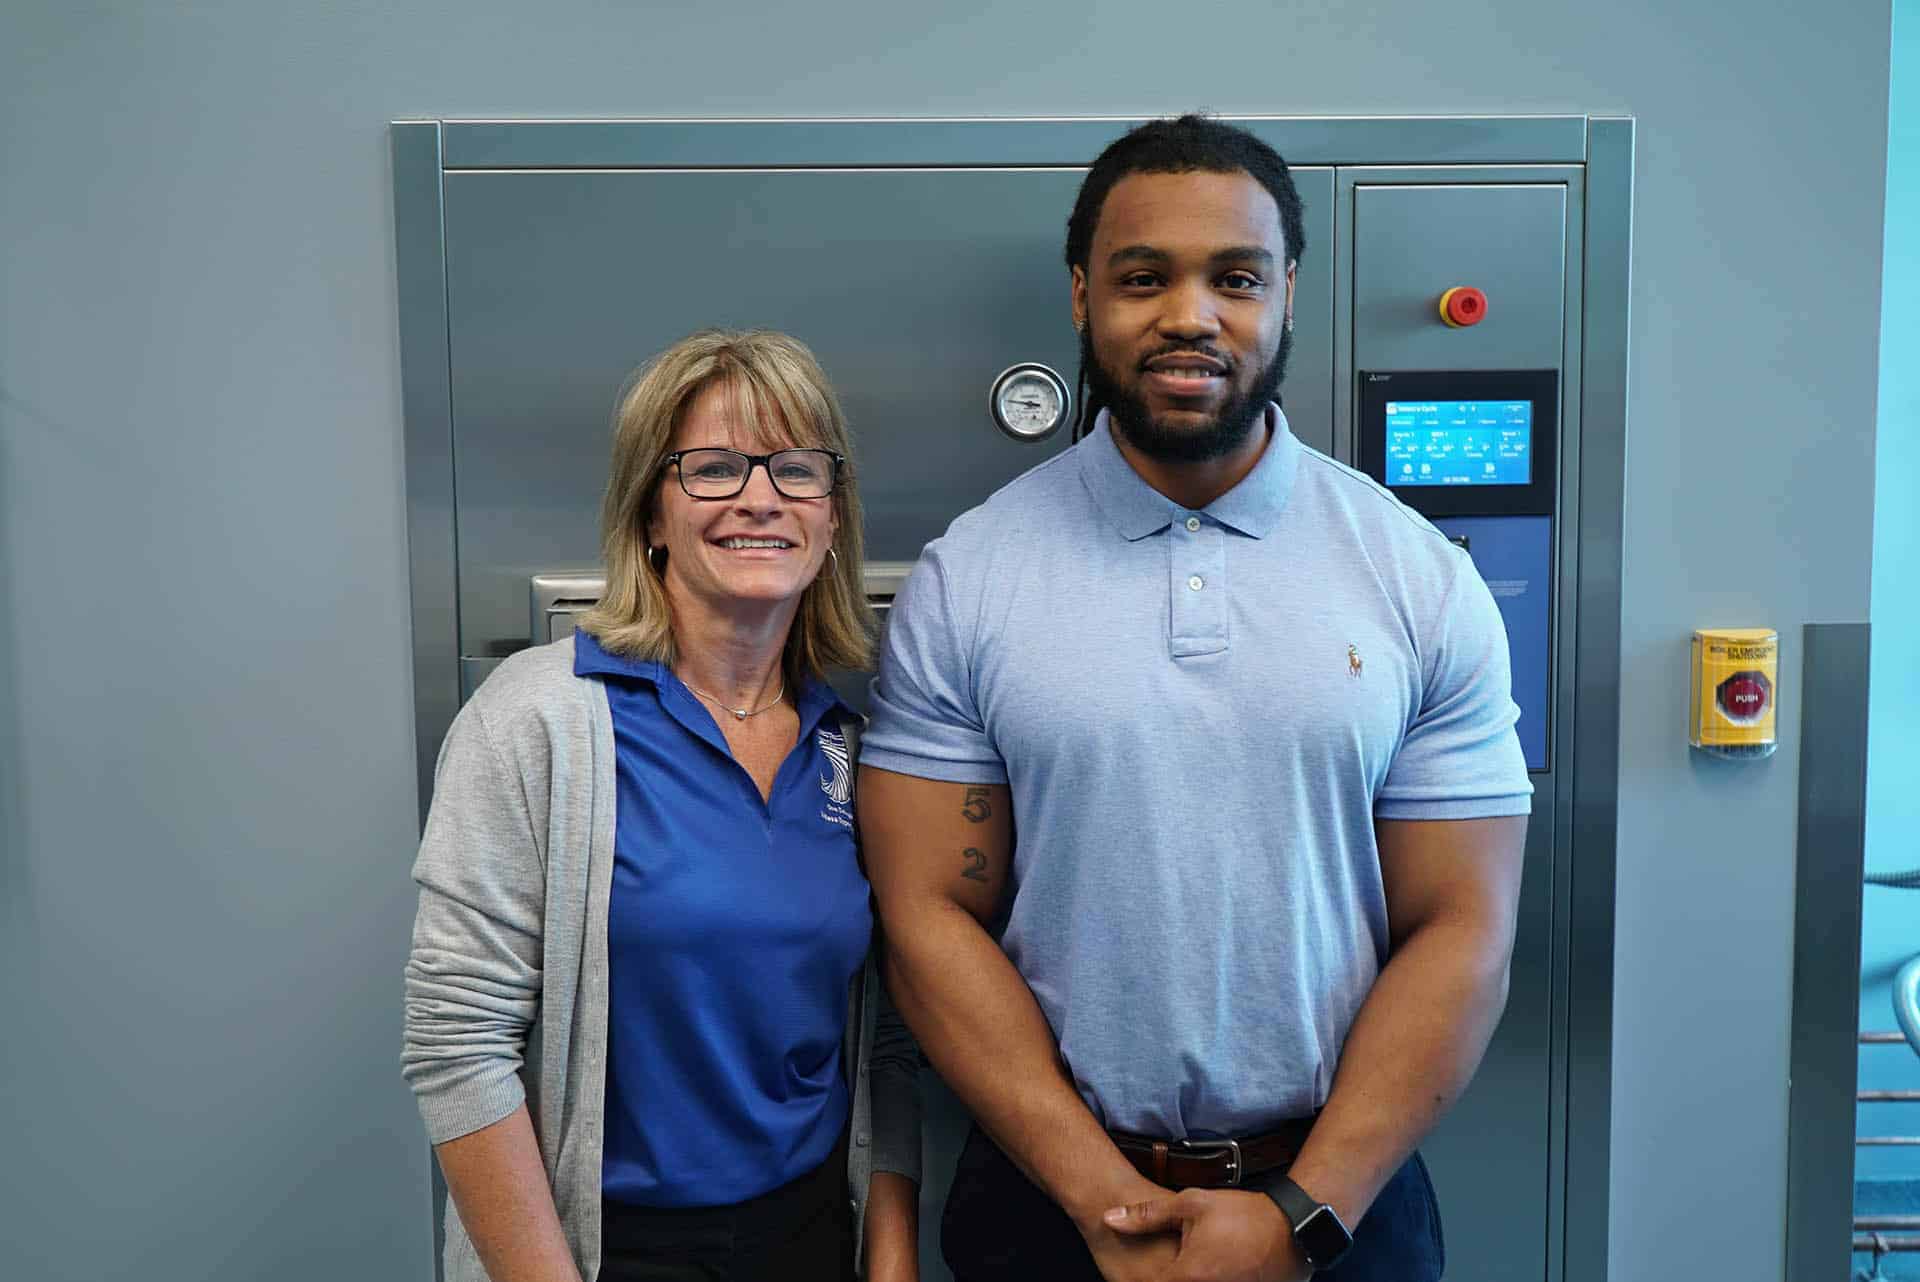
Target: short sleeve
1461, 758
925, 717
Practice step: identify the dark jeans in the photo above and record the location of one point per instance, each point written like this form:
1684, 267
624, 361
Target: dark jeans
799, 1232
999, 1228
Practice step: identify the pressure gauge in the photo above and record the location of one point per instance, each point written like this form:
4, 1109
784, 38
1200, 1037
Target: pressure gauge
1029, 402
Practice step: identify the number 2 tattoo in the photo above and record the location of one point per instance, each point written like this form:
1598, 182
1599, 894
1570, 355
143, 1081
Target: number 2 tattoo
976, 869
977, 809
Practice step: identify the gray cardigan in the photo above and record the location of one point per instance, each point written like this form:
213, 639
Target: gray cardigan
506, 986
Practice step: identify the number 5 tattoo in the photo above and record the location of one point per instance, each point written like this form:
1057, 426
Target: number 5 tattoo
977, 809
976, 869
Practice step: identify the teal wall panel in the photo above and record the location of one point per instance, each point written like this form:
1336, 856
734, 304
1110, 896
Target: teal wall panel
1891, 918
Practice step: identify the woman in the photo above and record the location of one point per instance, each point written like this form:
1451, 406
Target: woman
642, 1025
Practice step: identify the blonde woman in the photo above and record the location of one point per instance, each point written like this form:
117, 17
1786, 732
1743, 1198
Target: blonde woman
643, 1026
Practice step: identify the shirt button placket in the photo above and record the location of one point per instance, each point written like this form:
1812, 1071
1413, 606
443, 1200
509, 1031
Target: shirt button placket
1192, 548
1187, 547
1198, 585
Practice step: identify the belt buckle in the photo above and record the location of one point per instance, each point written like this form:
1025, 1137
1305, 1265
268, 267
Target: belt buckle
1230, 1147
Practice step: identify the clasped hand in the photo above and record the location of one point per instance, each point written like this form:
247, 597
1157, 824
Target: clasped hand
1198, 1235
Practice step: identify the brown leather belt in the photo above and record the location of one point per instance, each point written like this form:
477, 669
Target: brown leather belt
1213, 1164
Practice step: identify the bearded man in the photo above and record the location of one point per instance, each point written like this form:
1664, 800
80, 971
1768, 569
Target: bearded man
1192, 801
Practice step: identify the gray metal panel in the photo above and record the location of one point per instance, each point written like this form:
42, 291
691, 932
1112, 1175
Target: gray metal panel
1412, 243
1590, 796
1490, 1154
1566, 608
1413, 232
427, 401
1824, 1063
473, 672
1327, 140
1348, 180
914, 287
1308, 393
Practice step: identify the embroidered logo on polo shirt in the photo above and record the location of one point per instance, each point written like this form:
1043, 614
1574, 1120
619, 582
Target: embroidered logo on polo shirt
1354, 663
839, 785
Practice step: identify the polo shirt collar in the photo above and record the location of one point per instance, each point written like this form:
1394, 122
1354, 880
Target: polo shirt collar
1135, 509
813, 700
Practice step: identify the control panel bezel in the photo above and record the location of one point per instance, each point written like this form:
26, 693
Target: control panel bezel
1540, 386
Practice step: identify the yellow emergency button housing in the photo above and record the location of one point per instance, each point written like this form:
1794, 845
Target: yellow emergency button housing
1736, 687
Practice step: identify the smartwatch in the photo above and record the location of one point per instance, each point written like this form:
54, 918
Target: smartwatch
1317, 1229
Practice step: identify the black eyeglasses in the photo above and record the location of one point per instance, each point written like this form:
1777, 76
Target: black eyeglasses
721, 474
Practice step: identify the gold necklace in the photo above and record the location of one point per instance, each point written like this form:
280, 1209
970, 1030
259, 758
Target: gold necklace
739, 714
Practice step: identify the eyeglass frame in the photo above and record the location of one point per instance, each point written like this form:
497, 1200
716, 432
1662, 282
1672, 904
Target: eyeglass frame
762, 461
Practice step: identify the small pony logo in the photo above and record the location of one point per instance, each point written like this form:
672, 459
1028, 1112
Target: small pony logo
1354, 663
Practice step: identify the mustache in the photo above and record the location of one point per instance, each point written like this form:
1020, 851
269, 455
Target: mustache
1207, 350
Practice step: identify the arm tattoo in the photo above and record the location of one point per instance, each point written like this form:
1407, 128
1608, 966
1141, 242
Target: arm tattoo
976, 869
977, 809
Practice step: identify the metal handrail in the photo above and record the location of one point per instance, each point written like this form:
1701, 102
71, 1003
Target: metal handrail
1881, 1244
1868, 1230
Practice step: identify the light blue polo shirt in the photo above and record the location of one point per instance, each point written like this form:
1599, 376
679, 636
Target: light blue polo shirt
1200, 715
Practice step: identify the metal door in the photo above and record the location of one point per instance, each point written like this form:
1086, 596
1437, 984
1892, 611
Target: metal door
1415, 235
914, 287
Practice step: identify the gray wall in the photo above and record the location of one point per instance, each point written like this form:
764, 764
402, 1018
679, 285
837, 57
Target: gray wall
206, 798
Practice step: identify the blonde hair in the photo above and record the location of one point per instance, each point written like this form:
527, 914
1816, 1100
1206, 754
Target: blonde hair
780, 393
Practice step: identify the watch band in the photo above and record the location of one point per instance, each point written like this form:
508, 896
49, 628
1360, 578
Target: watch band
1317, 1228
1294, 1202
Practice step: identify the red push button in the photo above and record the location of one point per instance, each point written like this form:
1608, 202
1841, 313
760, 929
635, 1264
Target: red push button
1463, 305
1743, 697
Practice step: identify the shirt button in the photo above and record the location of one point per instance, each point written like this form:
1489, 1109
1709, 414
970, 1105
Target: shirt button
1196, 583
860, 1140
1193, 523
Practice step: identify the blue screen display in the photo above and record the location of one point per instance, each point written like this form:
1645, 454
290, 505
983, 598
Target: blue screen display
1459, 442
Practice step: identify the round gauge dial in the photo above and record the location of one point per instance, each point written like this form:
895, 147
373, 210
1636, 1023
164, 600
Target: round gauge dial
1029, 402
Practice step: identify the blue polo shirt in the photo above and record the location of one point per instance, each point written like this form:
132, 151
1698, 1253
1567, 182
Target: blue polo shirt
1200, 715
734, 930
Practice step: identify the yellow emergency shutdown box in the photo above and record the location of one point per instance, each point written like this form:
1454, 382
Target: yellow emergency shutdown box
1736, 676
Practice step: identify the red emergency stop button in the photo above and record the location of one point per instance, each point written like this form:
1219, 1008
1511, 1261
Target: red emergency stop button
1463, 305
1743, 697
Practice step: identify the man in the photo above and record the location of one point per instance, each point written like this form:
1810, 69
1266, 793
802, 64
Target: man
1250, 719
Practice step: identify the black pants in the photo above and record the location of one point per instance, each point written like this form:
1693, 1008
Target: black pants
998, 1227
799, 1232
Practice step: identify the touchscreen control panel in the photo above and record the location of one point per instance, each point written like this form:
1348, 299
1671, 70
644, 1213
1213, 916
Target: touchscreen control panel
1473, 451
1459, 443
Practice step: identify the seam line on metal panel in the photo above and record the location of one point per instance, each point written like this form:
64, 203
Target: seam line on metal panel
453, 454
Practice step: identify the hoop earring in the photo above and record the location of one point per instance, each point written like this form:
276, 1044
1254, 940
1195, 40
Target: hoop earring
657, 558
836, 557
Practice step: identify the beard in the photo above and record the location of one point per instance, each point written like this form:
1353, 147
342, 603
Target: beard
1227, 431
